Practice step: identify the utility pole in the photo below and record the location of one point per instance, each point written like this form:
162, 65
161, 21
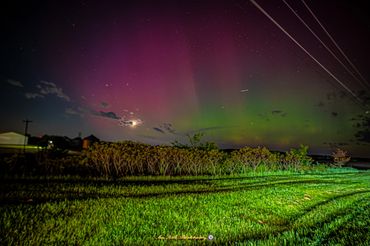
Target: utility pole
26, 121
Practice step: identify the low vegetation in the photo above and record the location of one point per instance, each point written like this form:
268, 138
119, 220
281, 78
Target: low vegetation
115, 160
131, 193
340, 157
281, 208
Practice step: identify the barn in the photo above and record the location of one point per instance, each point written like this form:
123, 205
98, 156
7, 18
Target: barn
12, 138
89, 141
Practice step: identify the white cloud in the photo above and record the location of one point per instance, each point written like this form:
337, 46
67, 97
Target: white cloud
46, 88
71, 111
130, 123
75, 111
14, 82
30, 95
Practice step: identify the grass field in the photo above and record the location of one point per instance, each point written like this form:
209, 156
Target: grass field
9, 148
282, 208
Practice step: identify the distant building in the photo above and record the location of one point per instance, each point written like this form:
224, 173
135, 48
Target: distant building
88, 141
13, 138
54, 141
76, 143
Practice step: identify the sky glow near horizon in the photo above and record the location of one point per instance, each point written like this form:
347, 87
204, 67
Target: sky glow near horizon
154, 71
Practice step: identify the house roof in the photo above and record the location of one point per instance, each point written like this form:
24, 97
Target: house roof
92, 138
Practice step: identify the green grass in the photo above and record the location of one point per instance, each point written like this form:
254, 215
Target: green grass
11, 148
326, 208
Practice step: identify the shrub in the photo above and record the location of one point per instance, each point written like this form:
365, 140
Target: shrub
340, 157
252, 158
130, 158
126, 158
297, 158
114, 160
213, 160
51, 161
16, 164
195, 142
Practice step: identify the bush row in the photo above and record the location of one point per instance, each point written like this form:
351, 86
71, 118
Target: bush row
131, 158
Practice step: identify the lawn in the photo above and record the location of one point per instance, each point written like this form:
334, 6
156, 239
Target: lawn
11, 148
331, 207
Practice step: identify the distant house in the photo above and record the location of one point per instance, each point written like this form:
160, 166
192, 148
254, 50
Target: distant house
76, 143
13, 138
88, 141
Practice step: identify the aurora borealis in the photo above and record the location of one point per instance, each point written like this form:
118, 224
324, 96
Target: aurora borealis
154, 71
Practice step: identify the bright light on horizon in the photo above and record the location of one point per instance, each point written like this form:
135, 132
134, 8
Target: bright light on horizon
134, 123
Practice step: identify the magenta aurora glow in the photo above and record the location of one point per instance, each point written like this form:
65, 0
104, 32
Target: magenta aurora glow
154, 71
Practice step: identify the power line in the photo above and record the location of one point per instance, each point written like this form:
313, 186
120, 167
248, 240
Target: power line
335, 43
307, 52
325, 46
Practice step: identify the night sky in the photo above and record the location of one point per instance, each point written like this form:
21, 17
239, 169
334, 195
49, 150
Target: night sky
154, 71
